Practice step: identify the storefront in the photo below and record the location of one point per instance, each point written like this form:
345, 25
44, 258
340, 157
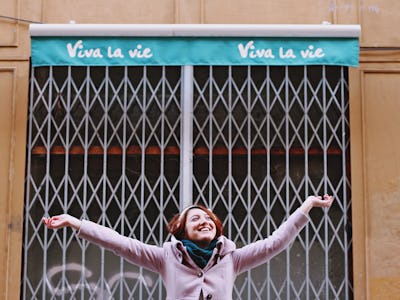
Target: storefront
130, 123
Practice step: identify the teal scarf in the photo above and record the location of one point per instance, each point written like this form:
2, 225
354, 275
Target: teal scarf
200, 256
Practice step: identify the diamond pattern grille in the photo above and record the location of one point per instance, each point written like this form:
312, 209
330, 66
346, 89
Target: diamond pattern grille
266, 137
99, 147
104, 143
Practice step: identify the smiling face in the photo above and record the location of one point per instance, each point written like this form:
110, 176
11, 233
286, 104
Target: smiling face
199, 227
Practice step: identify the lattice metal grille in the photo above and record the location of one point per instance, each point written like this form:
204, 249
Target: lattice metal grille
104, 143
266, 137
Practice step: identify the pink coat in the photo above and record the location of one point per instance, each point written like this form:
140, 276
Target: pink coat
182, 278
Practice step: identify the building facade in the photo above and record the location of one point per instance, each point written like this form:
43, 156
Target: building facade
360, 167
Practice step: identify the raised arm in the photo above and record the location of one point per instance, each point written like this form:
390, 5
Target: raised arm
148, 256
259, 252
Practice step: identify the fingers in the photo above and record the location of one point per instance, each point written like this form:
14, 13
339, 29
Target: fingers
51, 222
47, 222
327, 200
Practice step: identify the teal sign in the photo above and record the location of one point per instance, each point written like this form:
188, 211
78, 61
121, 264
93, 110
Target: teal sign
152, 51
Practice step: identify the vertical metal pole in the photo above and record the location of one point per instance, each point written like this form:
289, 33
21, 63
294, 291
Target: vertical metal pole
143, 163
86, 174
211, 140
162, 147
47, 180
103, 220
287, 172
307, 144
325, 185
229, 107
344, 181
66, 174
249, 165
186, 185
123, 172
268, 154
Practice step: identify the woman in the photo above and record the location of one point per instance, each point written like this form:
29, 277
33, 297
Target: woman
199, 262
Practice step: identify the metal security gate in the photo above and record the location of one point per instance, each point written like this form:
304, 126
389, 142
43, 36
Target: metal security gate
128, 147
264, 139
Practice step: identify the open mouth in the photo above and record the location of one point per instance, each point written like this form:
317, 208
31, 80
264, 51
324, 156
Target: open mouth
205, 229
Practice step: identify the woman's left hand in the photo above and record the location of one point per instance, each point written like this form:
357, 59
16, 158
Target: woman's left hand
316, 201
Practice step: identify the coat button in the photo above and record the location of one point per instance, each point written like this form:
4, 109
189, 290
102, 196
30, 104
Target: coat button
209, 296
200, 274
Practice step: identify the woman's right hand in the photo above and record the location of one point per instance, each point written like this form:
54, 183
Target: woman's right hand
61, 221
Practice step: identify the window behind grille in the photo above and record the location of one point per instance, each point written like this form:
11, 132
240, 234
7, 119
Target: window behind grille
104, 143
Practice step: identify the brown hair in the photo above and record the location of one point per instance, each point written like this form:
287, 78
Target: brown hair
176, 226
